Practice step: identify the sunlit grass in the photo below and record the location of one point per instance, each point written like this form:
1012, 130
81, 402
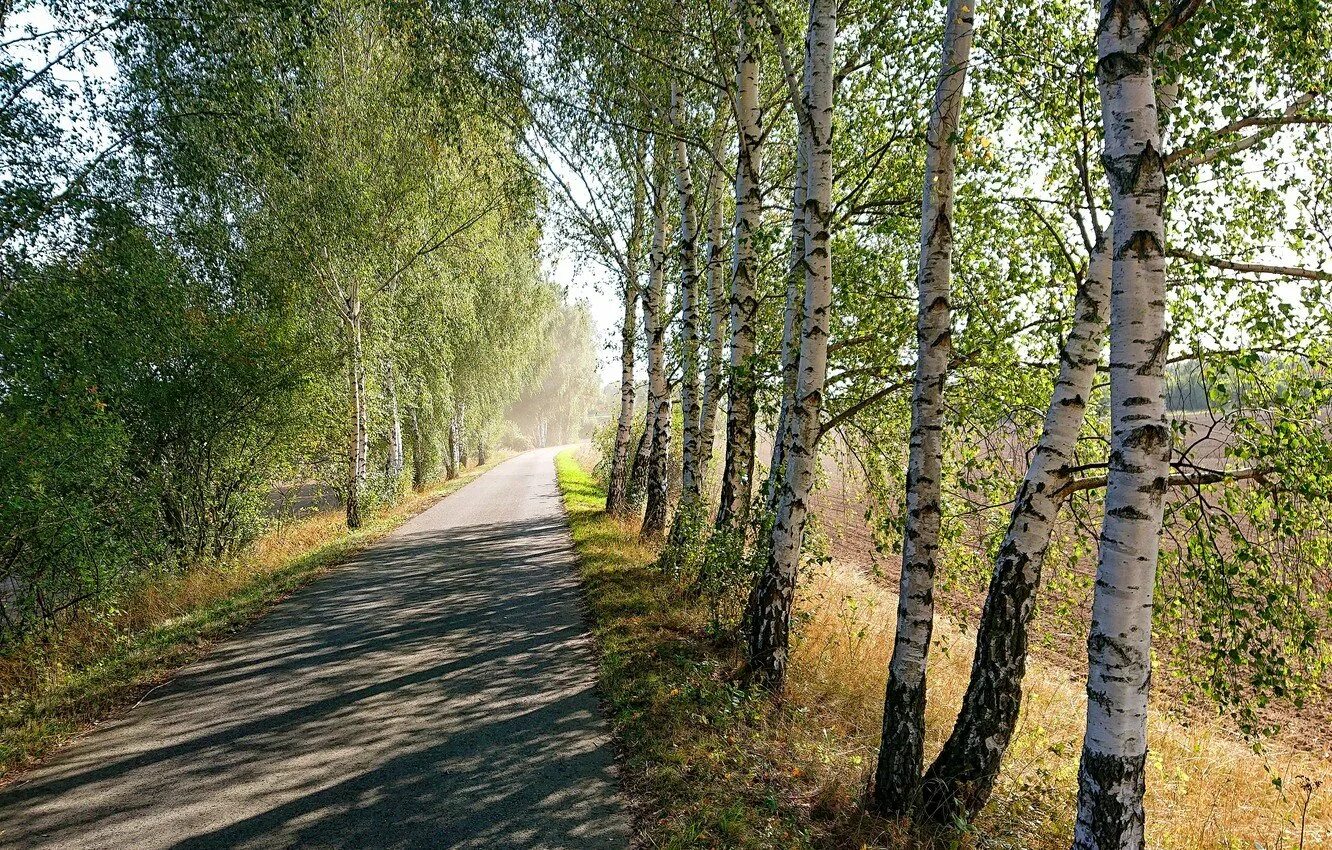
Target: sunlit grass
56, 685
1205, 788
712, 765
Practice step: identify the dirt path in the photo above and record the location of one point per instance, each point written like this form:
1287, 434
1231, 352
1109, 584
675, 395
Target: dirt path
436, 692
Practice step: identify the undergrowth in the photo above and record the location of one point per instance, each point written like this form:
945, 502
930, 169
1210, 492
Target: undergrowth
711, 764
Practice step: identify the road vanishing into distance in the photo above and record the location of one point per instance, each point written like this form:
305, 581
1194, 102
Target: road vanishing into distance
438, 691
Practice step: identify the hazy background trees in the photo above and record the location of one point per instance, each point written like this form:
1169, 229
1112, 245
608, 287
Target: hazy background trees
249, 245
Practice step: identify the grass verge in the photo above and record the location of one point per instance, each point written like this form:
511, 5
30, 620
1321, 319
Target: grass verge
704, 760
53, 690
710, 764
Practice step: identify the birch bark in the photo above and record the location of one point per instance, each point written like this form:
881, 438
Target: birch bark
659, 400
451, 448
712, 375
358, 448
792, 320
691, 486
770, 621
617, 493
897, 774
418, 452
1111, 778
961, 779
396, 458
738, 470
638, 471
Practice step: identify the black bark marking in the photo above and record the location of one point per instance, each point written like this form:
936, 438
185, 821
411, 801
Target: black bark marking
1106, 782
1114, 67
1142, 244
1148, 438
1129, 512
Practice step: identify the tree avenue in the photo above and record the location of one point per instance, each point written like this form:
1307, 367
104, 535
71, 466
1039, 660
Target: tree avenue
1046, 287
1083, 175
262, 248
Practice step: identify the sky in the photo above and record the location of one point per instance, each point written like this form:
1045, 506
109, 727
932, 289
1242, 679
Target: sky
583, 277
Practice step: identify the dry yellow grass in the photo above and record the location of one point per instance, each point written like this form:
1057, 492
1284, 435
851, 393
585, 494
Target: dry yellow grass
718, 767
1205, 788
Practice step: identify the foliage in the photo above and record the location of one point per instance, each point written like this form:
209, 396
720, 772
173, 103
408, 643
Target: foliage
717, 765
293, 194
139, 416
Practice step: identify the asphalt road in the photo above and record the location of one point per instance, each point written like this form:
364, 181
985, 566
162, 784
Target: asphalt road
436, 692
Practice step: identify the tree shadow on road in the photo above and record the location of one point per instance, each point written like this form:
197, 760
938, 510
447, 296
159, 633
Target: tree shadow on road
437, 692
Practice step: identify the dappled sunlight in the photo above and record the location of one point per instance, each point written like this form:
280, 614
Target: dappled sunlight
437, 687
1205, 788
56, 686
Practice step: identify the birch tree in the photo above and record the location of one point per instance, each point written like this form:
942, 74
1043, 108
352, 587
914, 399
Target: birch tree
262, 275
714, 286
599, 183
792, 319
1111, 776
617, 494
961, 778
897, 773
658, 416
691, 481
770, 604
367, 233
738, 471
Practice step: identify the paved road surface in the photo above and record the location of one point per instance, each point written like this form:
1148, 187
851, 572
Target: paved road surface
437, 692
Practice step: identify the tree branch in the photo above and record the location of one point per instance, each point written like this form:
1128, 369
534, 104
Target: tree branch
868, 401
1179, 15
1196, 476
788, 65
1181, 160
1250, 268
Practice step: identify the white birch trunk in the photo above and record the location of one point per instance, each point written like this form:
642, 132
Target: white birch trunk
961, 779
451, 449
617, 493
1114, 752
638, 470
738, 472
770, 621
792, 320
418, 450
897, 774
396, 458
459, 436
358, 448
691, 485
659, 400
712, 375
